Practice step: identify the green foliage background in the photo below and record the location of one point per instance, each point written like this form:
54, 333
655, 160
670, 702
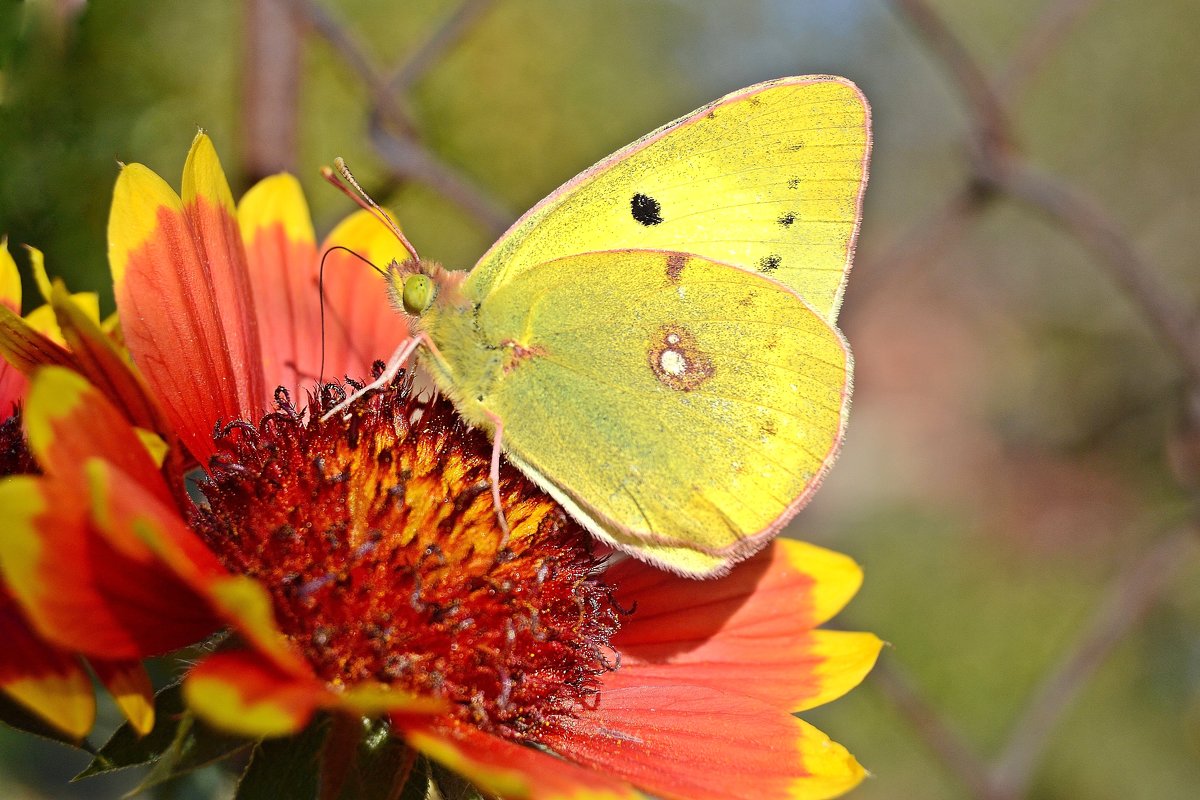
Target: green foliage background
1006, 456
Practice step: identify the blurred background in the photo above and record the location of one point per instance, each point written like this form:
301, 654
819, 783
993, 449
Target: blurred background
1019, 475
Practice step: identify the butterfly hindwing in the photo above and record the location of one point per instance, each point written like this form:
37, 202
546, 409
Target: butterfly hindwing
683, 409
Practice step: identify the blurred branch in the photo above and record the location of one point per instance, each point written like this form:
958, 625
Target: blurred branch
991, 129
948, 745
1174, 322
408, 159
270, 88
1125, 604
393, 132
1044, 38
435, 46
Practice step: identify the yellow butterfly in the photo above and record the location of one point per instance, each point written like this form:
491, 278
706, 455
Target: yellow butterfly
653, 344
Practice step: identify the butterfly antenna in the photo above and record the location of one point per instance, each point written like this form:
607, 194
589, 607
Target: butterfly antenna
321, 294
364, 201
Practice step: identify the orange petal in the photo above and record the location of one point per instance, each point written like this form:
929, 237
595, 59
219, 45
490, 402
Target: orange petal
749, 632
242, 693
503, 768
361, 325
170, 318
130, 687
104, 596
793, 675
691, 743
49, 682
208, 204
281, 252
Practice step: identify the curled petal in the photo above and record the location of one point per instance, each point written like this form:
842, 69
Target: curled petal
244, 694
504, 769
69, 421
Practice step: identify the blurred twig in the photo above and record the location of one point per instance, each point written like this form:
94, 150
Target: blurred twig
948, 745
1088, 223
1045, 36
393, 131
456, 24
1125, 604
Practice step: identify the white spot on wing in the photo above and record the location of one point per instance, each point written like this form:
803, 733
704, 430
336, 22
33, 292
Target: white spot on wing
673, 362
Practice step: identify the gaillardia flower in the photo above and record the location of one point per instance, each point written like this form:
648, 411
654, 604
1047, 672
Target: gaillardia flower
359, 561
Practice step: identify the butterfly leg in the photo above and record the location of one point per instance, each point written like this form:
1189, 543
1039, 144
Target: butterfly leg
395, 363
494, 473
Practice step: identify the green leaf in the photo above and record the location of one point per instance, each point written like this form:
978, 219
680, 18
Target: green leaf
285, 768
17, 716
384, 767
450, 785
177, 745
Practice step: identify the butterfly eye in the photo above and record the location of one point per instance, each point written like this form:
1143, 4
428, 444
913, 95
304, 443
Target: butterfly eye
418, 294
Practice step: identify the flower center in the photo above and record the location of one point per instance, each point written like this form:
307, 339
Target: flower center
376, 535
15, 456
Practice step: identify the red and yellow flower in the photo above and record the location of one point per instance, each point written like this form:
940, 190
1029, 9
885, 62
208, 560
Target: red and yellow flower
358, 560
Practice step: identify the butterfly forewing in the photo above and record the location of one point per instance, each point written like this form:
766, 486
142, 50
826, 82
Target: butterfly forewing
769, 179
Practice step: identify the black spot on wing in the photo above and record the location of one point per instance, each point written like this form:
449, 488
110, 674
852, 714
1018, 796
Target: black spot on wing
794, 183
787, 219
769, 264
645, 209
796, 147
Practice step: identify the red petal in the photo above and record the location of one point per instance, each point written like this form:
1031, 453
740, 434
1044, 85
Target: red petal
506, 769
208, 204
12, 388
168, 307
692, 743
749, 632
48, 681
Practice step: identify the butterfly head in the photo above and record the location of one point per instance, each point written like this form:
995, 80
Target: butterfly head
416, 285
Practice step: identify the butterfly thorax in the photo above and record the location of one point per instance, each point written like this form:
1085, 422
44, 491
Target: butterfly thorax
462, 361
